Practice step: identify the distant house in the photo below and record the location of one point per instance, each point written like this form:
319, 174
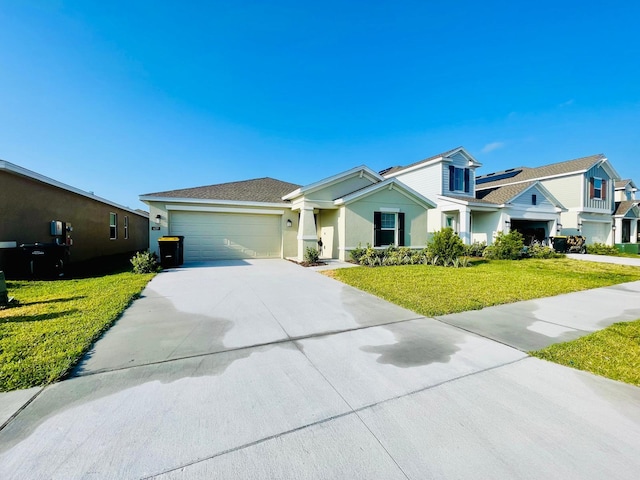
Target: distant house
587, 187
474, 211
269, 218
94, 227
627, 213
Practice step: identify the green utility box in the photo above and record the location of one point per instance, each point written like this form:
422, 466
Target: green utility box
628, 247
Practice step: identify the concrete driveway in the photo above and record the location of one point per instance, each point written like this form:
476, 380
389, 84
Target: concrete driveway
264, 369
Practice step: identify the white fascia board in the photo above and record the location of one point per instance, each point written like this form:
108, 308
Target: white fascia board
198, 208
388, 183
598, 211
362, 169
170, 200
23, 172
470, 203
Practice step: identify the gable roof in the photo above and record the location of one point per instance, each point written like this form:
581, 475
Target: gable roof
508, 193
622, 184
622, 208
396, 169
362, 171
525, 174
267, 190
388, 183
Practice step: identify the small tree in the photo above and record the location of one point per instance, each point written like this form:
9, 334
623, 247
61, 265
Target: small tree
506, 246
145, 262
445, 245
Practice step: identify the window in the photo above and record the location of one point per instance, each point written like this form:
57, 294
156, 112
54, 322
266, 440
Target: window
126, 227
459, 179
534, 199
597, 188
388, 229
113, 226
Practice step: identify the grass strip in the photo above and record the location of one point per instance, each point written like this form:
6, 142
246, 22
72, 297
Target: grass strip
613, 352
430, 290
57, 322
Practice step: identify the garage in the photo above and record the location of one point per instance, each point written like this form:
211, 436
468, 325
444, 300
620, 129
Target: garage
223, 236
595, 232
532, 230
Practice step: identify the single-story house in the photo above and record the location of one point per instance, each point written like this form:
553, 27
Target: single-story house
269, 218
40, 209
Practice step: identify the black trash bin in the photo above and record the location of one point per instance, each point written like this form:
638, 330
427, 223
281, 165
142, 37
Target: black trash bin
171, 251
44, 260
559, 244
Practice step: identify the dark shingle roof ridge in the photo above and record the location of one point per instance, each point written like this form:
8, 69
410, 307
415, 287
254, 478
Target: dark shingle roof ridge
398, 168
264, 190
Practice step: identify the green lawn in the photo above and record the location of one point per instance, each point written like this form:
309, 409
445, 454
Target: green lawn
430, 290
613, 352
56, 323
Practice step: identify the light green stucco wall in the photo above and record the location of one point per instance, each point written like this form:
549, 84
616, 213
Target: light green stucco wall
359, 220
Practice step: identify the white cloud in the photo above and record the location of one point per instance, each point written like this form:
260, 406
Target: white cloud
490, 147
567, 103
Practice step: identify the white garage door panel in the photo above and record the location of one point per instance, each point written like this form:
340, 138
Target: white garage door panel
595, 232
219, 236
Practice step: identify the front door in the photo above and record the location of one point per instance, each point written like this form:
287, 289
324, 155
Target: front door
626, 231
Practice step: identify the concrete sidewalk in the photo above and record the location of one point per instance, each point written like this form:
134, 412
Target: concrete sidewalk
634, 262
264, 369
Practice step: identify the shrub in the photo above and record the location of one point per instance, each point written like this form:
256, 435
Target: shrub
446, 245
311, 255
539, 251
145, 262
357, 253
506, 246
476, 249
601, 249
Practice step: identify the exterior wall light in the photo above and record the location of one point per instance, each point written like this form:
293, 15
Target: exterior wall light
580, 226
507, 223
559, 228
613, 227
158, 218
289, 224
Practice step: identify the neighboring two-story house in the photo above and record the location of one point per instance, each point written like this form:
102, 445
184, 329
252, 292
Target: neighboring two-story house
627, 212
585, 186
475, 211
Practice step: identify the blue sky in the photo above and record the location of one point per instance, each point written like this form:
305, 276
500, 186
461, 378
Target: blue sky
125, 98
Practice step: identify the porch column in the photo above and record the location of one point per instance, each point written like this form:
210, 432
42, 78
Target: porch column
464, 229
634, 231
307, 235
617, 237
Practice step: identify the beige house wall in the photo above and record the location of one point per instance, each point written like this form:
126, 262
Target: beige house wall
28, 206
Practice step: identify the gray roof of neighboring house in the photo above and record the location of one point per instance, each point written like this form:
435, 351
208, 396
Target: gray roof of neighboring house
620, 184
397, 168
471, 199
526, 174
622, 208
268, 190
502, 195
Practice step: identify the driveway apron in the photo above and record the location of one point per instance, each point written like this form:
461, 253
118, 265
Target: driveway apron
264, 369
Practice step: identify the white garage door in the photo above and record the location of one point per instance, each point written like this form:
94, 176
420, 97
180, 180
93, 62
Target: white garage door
595, 232
221, 236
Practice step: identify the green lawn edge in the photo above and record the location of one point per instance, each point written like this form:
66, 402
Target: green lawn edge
613, 352
57, 322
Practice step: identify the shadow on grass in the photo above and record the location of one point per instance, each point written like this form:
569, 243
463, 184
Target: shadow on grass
37, 318
54, 300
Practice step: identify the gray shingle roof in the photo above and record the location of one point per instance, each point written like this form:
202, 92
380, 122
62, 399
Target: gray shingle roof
471, 199
577, 165
265, 189
622, 208
390, 170
502, 195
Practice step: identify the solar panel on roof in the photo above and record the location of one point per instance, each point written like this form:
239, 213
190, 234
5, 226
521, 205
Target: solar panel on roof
492, 177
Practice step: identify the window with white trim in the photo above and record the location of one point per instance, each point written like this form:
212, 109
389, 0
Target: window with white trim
126, 227
113, 226
597, 188
388, 229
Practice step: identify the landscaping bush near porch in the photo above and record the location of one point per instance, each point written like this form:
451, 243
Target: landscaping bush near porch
433, 290
56, 323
